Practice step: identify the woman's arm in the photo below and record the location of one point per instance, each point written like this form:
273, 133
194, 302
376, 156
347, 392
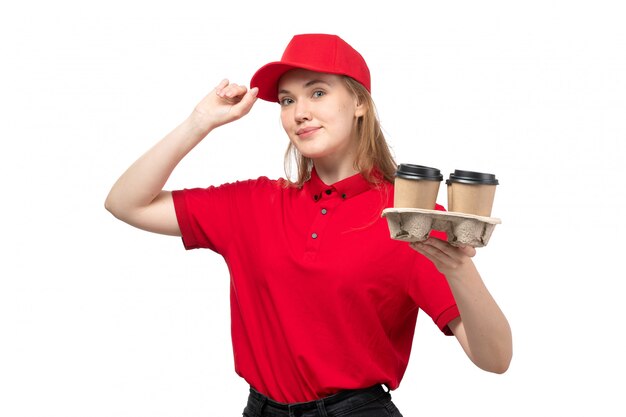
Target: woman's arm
137, 197
482, 329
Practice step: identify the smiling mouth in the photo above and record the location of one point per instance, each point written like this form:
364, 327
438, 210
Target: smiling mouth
307, 131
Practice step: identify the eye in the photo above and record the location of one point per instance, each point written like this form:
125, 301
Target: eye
285, 101
318, 93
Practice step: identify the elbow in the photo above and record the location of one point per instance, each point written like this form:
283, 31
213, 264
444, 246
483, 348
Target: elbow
501, 355
496, 360
109, 206
499, 365
112, 207
500, 368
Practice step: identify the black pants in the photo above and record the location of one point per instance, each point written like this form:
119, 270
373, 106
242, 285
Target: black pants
368, 402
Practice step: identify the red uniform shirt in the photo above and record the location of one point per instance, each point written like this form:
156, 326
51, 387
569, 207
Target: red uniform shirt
322, 299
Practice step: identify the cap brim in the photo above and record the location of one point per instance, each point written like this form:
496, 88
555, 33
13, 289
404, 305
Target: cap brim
267, 77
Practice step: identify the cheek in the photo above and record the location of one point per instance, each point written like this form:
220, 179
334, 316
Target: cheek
344, 119
346, 112
284, 120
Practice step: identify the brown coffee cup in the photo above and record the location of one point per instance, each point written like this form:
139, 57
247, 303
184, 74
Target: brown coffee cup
471, 192
416, 186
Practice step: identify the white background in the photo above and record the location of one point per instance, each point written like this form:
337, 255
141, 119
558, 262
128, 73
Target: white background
100, 319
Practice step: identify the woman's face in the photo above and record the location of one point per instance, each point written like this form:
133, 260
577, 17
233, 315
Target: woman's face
319, 114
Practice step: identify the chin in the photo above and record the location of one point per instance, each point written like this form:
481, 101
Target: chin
313, 153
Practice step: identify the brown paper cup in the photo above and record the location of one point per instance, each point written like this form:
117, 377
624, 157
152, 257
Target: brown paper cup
471, 199
415, 193
416, 186
471, 192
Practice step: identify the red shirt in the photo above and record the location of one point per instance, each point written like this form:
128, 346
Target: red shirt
322, 299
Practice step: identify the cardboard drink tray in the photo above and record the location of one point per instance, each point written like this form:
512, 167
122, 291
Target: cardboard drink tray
462, 229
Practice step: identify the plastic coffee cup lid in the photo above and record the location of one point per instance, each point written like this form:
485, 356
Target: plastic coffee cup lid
471, 177
418, 172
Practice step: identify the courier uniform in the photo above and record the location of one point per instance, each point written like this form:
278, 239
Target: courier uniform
322, 299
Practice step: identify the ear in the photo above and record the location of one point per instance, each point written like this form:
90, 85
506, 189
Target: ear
360, 109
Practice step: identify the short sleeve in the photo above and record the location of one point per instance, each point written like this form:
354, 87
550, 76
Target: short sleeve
210, 217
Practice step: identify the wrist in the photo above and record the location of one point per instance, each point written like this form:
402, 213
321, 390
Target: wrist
198, 124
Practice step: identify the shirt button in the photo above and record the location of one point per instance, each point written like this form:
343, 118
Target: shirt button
316, 197
344, 196
314, 235
328, 192
324, 211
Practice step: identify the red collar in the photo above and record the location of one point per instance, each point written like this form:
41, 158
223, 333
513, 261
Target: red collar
346, 188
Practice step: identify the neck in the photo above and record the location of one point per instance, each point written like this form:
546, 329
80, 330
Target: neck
337, 165
332, 173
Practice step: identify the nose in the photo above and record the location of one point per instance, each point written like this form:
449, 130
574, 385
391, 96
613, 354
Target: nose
302, 111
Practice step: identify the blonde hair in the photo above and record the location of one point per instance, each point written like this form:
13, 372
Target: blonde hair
372, 152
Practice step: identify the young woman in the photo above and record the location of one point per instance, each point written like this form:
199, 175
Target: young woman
323, 302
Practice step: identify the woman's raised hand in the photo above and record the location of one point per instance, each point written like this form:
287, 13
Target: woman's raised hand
226, 103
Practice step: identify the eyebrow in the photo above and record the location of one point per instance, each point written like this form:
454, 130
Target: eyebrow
306, 85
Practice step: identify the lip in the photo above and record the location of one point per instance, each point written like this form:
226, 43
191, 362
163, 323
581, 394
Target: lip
306, 131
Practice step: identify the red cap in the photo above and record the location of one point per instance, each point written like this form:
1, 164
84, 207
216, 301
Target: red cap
314, 52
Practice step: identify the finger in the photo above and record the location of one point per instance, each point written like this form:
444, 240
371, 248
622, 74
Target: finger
234, 91
454, 253
440, 245
246, 103
431, 253
420, 247
252, 95
468, 250
220, 87
437, 253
